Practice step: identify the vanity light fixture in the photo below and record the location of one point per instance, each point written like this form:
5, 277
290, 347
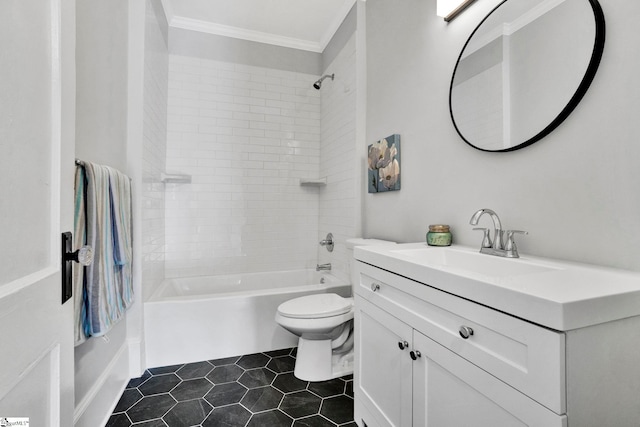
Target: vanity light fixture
449, 9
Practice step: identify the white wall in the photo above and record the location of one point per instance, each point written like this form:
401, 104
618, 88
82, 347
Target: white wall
198, 44
101, 63
339, 206
575, 191
156, 81
246, 134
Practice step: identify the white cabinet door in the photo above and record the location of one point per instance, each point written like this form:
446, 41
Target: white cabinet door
450, 391
383, 369
36, 190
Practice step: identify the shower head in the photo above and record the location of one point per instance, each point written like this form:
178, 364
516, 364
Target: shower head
318, 83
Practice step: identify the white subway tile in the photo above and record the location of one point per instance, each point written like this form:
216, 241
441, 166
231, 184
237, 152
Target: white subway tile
280, 104
249, 100
258, 133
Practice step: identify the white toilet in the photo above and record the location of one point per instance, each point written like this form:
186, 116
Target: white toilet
324, 323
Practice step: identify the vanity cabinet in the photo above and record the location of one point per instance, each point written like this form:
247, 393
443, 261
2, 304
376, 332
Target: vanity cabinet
413, 367
438, 388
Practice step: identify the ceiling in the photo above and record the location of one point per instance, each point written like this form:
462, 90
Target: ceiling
299, 24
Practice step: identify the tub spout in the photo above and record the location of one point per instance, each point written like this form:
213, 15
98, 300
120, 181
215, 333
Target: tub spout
323, 267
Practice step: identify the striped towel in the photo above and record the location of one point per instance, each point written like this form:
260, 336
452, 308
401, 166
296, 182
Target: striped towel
79, 240
107, 288
120, 196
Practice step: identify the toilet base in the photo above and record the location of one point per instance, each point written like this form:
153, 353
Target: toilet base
316, 361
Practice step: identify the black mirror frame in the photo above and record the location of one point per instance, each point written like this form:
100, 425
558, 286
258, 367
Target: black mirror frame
596, 56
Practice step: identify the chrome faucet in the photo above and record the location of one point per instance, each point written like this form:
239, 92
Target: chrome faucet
323, 267
497, 228
496, 247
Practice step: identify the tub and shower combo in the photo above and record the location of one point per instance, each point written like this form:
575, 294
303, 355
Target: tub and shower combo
210, 317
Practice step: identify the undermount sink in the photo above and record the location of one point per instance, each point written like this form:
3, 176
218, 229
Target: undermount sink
473, 262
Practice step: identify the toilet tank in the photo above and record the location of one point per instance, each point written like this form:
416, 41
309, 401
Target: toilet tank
352, 243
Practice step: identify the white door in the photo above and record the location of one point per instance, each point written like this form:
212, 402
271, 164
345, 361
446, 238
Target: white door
382, 380
36, 138
450, 391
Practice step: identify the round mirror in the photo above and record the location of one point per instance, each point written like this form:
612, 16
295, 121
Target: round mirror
523, 70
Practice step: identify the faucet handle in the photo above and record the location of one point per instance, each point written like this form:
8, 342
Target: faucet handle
511, 243
327, 242
486, 239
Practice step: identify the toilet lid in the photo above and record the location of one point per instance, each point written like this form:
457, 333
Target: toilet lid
315, 306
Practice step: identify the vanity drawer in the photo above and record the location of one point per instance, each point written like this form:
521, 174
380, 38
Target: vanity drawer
526, 356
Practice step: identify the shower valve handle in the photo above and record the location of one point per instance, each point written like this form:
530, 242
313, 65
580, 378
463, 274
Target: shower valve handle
328, 242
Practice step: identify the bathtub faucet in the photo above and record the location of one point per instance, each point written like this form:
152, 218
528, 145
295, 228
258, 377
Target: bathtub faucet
325, 267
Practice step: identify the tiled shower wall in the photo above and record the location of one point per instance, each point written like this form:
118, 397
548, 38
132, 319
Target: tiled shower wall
156, 77
339, 200
246, 135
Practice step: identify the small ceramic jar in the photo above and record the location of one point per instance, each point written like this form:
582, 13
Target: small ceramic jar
439, 235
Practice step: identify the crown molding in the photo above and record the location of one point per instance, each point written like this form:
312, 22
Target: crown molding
241, 33
331, 31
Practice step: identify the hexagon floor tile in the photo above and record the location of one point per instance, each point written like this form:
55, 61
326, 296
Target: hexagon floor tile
243, 391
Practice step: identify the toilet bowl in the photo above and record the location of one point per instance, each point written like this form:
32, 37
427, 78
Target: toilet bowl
324, 325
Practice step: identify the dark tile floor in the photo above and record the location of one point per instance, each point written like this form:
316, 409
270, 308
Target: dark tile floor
255, 390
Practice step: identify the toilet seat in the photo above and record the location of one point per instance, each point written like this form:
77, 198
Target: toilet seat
315, 306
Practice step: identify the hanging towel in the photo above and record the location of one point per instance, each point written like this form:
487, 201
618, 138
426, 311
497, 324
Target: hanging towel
79, 240
120, 197
107, 289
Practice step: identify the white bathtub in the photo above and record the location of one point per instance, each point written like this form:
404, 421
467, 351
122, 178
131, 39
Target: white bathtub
203, 318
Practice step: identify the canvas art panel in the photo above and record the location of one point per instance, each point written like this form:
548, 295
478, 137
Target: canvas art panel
384, 165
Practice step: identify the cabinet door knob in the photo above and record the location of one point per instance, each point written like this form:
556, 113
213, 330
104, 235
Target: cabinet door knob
465, 332
415, 354
375, 287
403, 344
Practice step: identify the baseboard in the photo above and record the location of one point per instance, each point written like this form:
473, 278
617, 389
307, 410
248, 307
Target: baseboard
98, 404
136, 358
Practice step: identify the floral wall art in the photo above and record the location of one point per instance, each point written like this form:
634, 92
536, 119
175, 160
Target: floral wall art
384, 165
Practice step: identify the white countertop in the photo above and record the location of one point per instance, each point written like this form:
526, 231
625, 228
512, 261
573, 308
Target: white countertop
561, 296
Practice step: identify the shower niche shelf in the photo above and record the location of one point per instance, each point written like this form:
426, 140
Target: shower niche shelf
175, 178
319, 182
